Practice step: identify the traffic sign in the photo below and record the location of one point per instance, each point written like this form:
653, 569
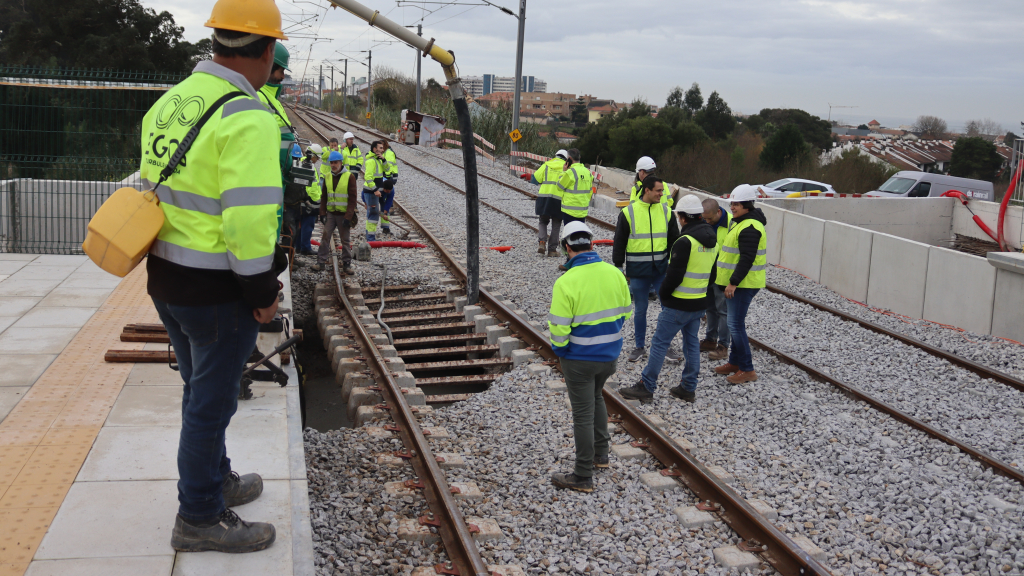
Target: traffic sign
515, 135
368, 114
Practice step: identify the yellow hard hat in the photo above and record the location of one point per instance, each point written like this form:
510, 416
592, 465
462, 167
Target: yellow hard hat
253, 16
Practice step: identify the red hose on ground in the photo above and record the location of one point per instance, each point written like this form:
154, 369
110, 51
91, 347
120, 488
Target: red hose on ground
977, 219
1004, 204
498, 248
602, 242
314, 242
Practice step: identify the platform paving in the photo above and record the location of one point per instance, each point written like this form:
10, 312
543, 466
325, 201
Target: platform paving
103, 500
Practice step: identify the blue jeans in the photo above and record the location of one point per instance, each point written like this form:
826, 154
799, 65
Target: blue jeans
372, 213
212, 344
739, 353
308, 221
670, 323
639, 288
718, 315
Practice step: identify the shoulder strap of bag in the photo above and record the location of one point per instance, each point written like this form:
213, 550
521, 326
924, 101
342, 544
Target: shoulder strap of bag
189, 138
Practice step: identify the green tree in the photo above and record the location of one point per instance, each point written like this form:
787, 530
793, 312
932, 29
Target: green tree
784, 147
675, 98
687, 135
693, 101
673, 115
643, 136
119, 34
863, 127
1010, 138
813, 129
579, 112
975, 157
716, 118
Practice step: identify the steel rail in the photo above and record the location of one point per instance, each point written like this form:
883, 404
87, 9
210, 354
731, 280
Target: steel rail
777, 548
967, 364
453, 529
418, 169
591, 219
997, 465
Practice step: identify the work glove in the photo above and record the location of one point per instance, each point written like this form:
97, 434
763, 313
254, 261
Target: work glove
322, 218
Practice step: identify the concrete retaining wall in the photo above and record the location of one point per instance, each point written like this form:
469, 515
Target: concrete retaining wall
1008, 308
898, 275
960, 290
846, 260
927, 220
963, 222
615, 177
802, 238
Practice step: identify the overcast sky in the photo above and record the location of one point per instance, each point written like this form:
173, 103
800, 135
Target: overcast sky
892, 59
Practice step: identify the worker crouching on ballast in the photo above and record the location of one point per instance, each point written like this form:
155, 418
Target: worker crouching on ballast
212, 271
684, 296
589, 305
742, 261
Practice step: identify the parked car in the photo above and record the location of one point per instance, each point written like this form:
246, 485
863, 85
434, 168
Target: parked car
913, 184
786, 186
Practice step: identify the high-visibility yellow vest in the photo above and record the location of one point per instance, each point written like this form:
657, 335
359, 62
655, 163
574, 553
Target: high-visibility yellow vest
575, 184
337, 196
729, 256
313, 190
390, 163
648, 237
352, 156
548, 175
374, 169
637, 193
698, 270
589, 305
271, 94
220, 207
723, 231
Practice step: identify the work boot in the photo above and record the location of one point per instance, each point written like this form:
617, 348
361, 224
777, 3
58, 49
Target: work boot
602, 461
239, 490
552, 253
317, 267
228, 533
678, 392
637, 354
348, 270
385, 230
742, 377
726, 369
573, 482
637, 392
542, 247
708, 345
673, 354
719, 353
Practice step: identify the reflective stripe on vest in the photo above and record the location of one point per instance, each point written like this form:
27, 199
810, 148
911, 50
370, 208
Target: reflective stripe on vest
589, 306
575, 187
216, 215
374, 169
353, 157
698, 271
648, 235
337, 195
729, 257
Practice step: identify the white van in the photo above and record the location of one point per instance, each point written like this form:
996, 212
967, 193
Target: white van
913, 184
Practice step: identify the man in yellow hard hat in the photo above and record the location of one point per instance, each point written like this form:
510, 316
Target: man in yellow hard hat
211, 271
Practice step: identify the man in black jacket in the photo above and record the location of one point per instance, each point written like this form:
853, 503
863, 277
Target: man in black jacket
643, 235
684, 300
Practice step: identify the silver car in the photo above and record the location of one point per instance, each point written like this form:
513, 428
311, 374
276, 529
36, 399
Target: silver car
786, 186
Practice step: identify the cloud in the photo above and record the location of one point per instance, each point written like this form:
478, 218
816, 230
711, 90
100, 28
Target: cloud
891, 58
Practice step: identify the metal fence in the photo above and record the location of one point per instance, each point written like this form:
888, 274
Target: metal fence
68, 139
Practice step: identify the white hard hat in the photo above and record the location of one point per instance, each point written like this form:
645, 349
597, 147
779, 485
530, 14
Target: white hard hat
574, 227
743, 193
645, 163
562, 154
316, 149
348, 135
689, 204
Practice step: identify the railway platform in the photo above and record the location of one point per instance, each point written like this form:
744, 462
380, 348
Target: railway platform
87, 447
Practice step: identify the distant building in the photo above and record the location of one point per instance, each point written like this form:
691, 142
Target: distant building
478, 86
874, 125
534, 107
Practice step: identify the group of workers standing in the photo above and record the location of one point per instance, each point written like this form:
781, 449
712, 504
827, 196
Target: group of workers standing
698, 258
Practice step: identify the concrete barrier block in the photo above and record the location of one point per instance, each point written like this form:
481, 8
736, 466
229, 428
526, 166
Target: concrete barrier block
387, 351
411, 530
538, 370
366, 413
693, 519
846, 260
960, 291
322, 289
357, 301
345, 367
395, 364
336, 353
684, 443
658, 482
810, 547
460, 303
335, 331
520, 357
471, 312
555, 385
775, 230
1008, 309
899, 271
723, 474
627, 452
489, 529
764, 509
802, 238
354, 380
404, 379
494, 332
732, 557
452, 293
507, 345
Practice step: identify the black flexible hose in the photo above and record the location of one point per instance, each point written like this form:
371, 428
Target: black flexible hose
472, 203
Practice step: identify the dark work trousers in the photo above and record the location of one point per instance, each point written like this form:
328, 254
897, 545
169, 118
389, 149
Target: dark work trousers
212, 344
584, 382
336, 220
552, 238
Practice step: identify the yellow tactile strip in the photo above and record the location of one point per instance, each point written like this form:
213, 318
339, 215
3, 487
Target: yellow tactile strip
46, 437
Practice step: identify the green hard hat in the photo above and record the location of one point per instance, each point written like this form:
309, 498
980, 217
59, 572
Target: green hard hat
281, 56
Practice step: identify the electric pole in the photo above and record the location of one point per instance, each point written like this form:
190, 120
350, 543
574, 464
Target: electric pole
344, 101
369, 86
519, 68
419, 32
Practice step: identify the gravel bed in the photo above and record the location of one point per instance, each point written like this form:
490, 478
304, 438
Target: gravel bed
982, 348
513, 437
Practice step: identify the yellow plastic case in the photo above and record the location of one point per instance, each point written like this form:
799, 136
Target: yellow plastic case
123, 229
